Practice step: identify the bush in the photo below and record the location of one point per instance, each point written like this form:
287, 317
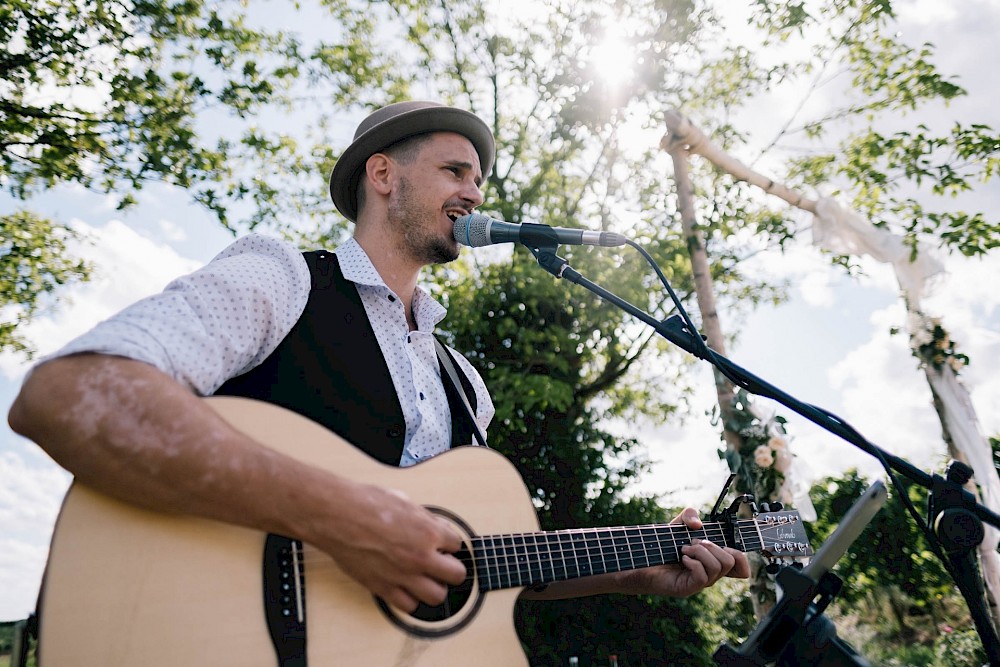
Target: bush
959, 649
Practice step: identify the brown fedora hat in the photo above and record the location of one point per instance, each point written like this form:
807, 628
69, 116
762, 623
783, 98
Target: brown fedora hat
393, 123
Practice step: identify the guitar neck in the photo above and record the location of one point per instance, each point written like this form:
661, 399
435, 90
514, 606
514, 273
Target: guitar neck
532, 559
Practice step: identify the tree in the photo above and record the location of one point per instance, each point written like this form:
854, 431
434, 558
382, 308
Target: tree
115, 95
879, 158
34, 262
903, 569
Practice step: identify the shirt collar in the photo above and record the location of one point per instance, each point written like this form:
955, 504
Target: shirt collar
357, 267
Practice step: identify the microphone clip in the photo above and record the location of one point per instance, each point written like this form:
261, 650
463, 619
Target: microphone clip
547, 258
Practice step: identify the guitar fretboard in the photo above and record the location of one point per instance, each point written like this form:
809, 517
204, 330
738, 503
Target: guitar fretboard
532, 559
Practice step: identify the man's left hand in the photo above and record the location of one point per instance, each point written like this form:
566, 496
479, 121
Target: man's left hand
702, 564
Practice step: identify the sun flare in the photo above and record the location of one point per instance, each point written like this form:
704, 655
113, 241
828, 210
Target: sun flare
613, 59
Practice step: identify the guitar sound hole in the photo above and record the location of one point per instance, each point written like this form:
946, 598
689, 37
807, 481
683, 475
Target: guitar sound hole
461, 605
457, 597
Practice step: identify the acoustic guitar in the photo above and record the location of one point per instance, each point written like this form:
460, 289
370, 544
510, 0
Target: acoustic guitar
130, 587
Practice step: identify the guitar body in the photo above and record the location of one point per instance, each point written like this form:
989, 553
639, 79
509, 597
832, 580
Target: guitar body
127, 586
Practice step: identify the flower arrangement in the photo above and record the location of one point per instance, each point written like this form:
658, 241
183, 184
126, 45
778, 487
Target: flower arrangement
932, 344
764, 460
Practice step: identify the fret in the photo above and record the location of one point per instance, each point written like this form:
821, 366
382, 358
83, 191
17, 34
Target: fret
519, 556
485, 548
604, 562
575, 548
650, 551
619, 544
552, 555
504, 558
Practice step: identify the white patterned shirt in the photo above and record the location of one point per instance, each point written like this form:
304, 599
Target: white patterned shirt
229, 316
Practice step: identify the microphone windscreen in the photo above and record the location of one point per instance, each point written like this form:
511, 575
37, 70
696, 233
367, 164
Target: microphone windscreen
473, 230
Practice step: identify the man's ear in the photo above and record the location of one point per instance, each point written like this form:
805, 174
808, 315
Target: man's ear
379, 172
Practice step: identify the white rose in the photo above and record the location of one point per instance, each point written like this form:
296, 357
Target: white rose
763, 457
782, 460
922, 337
915, 322
785, 496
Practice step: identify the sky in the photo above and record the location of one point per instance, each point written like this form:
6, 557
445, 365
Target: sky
828, 345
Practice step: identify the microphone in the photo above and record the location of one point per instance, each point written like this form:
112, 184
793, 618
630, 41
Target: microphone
476, 229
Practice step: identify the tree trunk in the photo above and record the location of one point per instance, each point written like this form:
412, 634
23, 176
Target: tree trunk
761, 589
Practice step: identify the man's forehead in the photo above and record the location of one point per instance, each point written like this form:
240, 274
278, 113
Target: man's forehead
455, 147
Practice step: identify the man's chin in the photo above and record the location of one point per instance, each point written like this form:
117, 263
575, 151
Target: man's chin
443, 251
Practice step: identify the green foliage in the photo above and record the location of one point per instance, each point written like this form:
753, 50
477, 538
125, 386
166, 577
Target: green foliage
128, 90
639, 630
34, 262
878, 157
903, 558
960, 649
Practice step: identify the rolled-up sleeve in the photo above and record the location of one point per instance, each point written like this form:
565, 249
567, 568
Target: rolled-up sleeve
214, 324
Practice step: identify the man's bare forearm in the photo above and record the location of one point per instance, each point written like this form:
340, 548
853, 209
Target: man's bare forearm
128, 430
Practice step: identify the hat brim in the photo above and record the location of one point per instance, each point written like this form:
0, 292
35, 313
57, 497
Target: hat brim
348, 169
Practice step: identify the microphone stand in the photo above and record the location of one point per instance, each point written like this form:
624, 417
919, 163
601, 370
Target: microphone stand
954, 516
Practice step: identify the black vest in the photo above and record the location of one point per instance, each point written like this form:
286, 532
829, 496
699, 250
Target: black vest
330, 369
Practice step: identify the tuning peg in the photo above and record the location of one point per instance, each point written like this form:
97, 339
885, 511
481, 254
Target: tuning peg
772, 567
765, 507
776, 507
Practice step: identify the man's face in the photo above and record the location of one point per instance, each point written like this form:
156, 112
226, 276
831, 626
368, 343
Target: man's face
439, 185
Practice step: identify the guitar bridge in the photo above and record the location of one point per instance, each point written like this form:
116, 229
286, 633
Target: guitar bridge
285, 599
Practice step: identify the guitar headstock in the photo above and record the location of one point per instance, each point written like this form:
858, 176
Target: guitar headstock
776, 534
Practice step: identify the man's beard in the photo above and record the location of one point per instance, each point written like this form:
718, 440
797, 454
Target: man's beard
417, 228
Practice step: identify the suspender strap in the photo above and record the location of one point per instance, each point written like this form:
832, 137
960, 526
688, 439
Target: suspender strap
449, 366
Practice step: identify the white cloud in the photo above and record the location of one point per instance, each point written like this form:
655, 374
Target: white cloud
686, 468
128, 267
172, 231
21, 565
927, 12
29, 496
31, 491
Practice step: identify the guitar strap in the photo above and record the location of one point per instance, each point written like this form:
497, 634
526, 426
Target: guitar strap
448, 364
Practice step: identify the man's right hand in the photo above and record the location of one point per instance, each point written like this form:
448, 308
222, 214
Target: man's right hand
393, 547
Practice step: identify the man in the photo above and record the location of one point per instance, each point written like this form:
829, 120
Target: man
119, 407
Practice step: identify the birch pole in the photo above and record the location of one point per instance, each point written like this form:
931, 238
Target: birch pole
959, 423
762, 595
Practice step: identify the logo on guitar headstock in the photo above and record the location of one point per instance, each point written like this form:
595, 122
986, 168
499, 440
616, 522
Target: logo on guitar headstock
782, 534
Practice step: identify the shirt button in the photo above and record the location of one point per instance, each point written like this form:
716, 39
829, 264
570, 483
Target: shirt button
392, 298
421, 396
394, 431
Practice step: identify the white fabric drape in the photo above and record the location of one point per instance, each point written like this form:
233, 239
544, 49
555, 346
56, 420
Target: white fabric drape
842, 231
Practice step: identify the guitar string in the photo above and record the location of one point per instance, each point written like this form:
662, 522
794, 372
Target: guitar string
520, 556
491, 578
502, 542
601, 540
504, 547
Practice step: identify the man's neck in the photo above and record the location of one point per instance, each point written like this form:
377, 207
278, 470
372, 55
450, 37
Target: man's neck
399, 272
